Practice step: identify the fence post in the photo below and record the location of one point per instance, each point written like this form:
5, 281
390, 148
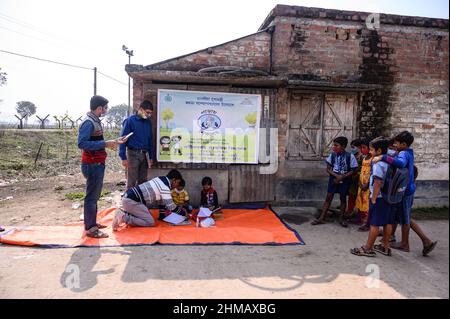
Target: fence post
37, 155
21, 121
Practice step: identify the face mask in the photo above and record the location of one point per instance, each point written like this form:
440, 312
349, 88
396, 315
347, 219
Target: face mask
354, 151
334, 149
365, 151
142, 116
391, 153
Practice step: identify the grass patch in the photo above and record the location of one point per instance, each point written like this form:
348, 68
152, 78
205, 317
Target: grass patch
432, 213
81, 195
75, 196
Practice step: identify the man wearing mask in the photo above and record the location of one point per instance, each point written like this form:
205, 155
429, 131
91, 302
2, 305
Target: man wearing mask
92, 144
137, 153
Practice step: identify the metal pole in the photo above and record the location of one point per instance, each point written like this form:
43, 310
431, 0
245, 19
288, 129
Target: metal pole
95, 81
129, 89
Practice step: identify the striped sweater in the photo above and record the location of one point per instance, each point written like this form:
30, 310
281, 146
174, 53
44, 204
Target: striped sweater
156, 190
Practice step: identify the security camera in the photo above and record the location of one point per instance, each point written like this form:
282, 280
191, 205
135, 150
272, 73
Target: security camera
124, 47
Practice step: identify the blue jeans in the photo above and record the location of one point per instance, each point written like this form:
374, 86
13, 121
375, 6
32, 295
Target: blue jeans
94, 174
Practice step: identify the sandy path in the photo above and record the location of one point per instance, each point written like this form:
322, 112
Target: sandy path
321, 269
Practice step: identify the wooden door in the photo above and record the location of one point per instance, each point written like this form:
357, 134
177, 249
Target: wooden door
338, 117
305, 125
316, 119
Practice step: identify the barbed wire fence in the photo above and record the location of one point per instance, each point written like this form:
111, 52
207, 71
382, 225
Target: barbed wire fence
44, 148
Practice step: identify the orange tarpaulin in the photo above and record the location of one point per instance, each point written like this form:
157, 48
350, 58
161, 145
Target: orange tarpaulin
238, 226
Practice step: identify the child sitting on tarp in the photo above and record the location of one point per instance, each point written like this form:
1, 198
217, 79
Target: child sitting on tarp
209, 198
181, 197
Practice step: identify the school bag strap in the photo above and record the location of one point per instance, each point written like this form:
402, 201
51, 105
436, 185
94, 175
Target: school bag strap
347, 160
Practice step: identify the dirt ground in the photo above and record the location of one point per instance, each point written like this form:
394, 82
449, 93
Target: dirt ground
323, 268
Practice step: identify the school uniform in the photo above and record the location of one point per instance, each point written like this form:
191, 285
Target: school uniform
380, 213
341, 164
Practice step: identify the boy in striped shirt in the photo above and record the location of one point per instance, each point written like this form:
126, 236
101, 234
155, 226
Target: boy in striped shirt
137, 199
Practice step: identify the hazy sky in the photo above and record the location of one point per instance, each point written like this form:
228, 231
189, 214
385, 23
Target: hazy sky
91, 33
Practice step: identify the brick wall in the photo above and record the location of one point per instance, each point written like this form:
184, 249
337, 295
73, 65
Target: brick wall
248, 52
316, 50
410, 62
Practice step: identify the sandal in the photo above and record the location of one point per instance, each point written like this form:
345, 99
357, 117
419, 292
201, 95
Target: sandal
363, 252
426, 250
382, 250
100, 226
343, 223
96, 234
317, 222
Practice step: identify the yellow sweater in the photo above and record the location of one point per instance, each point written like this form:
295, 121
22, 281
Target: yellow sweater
180, 198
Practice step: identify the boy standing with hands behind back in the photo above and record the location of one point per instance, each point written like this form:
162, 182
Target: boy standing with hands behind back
340, 166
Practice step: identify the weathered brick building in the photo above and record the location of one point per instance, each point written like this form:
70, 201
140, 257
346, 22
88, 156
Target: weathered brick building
322, 73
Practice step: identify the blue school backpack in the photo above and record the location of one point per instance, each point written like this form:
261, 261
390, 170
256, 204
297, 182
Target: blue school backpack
395, 184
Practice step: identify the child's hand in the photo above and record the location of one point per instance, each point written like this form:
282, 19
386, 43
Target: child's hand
111, 144
376, 159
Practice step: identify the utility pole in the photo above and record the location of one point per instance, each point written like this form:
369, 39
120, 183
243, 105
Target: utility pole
130, 54
95, 81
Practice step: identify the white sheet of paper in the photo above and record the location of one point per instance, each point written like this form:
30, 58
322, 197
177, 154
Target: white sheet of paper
125, 138
204, 212
174, 218
208, 222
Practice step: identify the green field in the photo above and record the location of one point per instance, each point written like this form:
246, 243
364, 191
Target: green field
59, 153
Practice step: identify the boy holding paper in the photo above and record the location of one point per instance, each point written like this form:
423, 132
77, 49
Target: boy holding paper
137, 153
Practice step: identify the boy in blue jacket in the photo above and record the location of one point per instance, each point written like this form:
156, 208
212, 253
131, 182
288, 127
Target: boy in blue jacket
405, 159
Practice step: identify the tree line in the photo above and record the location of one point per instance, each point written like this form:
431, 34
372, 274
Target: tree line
25, 109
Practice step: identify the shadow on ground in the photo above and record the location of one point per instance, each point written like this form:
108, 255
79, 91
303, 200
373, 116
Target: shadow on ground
324, 258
